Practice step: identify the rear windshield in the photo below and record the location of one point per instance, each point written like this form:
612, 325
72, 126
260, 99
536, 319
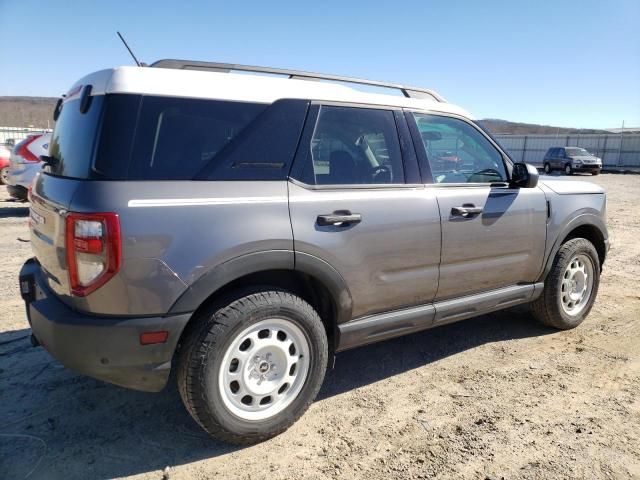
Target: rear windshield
139, 137
73, 139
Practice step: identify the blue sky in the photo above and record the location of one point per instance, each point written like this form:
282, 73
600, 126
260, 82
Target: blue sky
573, 63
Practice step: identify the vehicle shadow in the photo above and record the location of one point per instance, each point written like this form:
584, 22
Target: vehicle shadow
61, 425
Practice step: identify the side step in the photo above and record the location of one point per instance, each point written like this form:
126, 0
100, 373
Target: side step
382, 326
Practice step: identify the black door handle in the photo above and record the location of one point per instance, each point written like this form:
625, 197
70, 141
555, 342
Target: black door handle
467, 210
340, 218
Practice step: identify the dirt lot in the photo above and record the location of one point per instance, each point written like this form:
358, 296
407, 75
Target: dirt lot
493, 397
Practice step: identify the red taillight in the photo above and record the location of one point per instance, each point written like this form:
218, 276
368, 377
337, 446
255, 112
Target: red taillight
24, 151
94, 250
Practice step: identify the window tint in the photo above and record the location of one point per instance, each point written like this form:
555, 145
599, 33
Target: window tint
354, 146
457, 152
73, 139
177, 137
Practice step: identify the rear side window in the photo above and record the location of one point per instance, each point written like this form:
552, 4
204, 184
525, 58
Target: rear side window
354, 146
73, 140
176, 137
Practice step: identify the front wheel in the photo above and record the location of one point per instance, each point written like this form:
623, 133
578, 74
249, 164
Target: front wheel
249, 369
570, 287
568, 170
547, 168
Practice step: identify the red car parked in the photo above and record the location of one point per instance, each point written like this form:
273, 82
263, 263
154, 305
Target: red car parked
5, 152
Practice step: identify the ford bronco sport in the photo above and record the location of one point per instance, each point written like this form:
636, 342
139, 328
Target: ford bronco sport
241, 229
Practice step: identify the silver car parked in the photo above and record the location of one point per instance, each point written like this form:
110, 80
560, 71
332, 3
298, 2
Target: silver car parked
571, 160
242, 229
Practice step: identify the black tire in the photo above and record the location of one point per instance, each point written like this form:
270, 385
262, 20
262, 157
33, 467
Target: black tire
568, 169
547, 308
3, 175
547, 168
595, 172
201, 356
18, 192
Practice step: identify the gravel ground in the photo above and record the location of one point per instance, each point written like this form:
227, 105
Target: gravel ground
492, 397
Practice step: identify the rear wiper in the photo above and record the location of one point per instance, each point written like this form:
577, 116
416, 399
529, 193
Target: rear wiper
48, 160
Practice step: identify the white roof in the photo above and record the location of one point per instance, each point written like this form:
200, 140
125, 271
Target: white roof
239, 87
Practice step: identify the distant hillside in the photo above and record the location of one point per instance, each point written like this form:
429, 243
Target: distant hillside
515, 128
37, 111
27, 111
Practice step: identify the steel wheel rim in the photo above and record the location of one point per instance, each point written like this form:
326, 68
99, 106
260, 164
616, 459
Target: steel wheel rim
567, 169
547, 169
4, 174
577, 284
264, 369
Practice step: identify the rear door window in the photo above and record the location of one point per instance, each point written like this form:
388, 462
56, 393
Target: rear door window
353, 146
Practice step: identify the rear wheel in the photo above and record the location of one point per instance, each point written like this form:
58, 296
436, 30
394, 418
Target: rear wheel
18, 192
568, 170
249, 369
570, 287
547, 168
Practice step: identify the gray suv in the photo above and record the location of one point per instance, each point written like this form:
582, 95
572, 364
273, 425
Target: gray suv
571, 160
242, 229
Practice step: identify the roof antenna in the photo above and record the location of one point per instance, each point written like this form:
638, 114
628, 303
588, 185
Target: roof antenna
130, 52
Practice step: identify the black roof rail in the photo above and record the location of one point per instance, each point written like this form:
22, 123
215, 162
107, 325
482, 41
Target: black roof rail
409, 92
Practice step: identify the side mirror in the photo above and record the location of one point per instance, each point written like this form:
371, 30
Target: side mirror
524, 175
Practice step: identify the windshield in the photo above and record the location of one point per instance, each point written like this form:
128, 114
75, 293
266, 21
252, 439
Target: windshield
575, 152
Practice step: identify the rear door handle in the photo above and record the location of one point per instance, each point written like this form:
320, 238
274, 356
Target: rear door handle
340, 218
467, 210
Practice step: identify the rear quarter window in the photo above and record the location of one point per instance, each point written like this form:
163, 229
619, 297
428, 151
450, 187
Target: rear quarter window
176, 137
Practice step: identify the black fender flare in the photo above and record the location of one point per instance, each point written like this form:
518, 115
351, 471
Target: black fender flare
583, 219
221, 275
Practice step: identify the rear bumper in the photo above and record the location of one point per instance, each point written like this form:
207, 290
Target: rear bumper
106, 348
